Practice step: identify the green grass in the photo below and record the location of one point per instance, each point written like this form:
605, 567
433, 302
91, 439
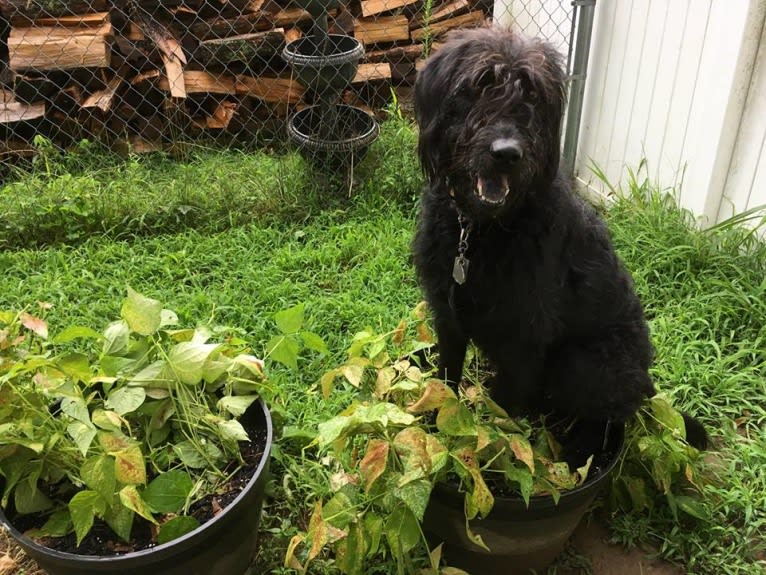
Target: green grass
281, 239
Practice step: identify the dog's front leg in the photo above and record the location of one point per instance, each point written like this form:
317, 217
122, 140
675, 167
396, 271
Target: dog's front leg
452, 347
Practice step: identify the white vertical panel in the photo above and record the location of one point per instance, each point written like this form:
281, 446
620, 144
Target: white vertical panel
607, 107
707, 123
670, 42
629, 89
745, 185
671, 161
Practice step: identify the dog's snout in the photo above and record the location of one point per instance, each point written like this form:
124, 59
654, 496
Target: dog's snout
506, 149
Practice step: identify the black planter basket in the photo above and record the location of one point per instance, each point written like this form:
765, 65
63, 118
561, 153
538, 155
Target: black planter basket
225, 545
520, 538
332, 144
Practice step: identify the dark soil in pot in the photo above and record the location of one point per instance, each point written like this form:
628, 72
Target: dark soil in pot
520, 538
224, 544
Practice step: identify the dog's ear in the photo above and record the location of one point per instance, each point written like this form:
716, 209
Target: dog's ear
432, 89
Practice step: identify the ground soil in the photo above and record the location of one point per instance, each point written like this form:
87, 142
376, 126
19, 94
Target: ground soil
591, 540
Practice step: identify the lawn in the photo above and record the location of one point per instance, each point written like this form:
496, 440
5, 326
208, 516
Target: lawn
232, 238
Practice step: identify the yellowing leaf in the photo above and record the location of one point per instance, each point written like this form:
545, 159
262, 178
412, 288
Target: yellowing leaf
131, 498
34, 324
374, 462
434, 395
129, 466
523, 451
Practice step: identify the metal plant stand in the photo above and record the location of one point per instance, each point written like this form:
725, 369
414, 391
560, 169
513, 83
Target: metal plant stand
329, 134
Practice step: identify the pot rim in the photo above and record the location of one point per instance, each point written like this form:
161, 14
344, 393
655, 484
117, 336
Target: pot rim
293, 57
186, 540
346, 144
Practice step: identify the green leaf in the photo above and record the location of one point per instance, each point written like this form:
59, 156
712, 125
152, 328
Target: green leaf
76, 332
314, 342
156, 374
126, 399
232, 429
187, 360
59, 524
692, 506
349, 554
29, 499
120, 519
415, 495
82, 434
523, 477
116, 338
667, 415
107, 420
236, 405
402, 531
455, 419
131, 498
76, 366
290, 320
167, 493
339, 511
76, 408
284, 349
189, 455
143, 314
176, 527
99, 475
377, 416
83, 507
373, 527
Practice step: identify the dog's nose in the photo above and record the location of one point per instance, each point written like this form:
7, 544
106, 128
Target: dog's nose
506, 149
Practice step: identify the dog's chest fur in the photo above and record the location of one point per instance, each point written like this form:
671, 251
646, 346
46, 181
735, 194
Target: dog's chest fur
522, 259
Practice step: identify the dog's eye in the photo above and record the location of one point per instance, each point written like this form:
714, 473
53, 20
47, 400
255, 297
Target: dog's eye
524, 86
485, 79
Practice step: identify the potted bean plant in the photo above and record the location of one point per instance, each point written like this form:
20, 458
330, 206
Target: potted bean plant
146, 453
415, 464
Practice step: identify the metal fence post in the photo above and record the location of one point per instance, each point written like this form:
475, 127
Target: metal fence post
583, 20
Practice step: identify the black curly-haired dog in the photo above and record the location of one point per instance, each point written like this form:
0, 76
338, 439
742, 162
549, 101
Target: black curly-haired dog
507, 254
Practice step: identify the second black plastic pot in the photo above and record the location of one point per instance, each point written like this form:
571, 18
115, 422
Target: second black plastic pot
520, 538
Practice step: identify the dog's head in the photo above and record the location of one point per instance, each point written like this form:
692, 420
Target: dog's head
489, 105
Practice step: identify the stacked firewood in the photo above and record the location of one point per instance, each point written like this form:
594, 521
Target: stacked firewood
145, 72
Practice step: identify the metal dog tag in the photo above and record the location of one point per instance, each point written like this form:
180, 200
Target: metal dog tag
460, 269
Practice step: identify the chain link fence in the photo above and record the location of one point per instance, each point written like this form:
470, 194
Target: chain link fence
144, 75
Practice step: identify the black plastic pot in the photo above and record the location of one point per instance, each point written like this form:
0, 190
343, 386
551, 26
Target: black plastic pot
324, 66
334, 137
520, 538
225, 545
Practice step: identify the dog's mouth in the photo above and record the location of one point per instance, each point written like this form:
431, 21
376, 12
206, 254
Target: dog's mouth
492, 190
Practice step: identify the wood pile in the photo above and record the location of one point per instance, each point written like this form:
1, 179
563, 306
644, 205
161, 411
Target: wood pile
145, 72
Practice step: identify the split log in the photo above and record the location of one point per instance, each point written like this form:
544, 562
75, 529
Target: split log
103, 100
410, 52
59, 48
221, 117
272, 90
25, 12
11, 112
445, 11
244, 48
470, 20
29, 89
372, 71
385, 29
201, 82
290, 17
372, 7
224, 27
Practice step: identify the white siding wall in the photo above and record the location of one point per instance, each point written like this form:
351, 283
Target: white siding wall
669, 82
